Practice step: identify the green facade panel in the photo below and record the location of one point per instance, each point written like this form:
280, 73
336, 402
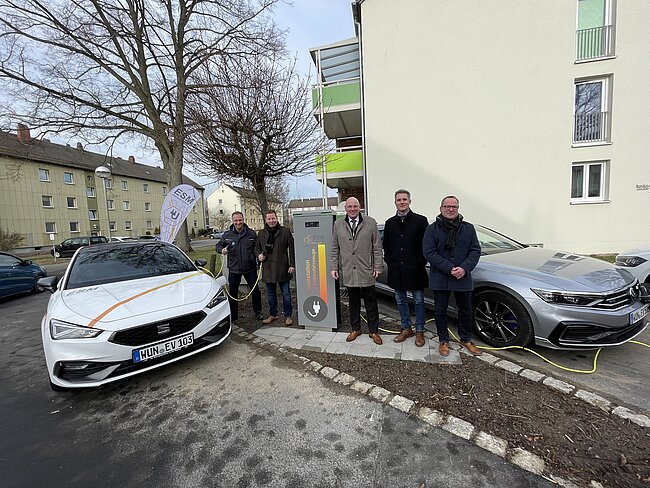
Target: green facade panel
335, 95
341, 162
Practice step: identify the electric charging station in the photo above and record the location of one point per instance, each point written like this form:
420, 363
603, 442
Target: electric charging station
317, 292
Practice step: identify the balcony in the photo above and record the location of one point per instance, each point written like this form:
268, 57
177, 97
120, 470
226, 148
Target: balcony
344, 169
591, 127
595, 43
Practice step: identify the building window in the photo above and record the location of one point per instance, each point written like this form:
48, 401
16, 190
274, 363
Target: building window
125, 185
149, 224
74, 227
110, 204
595, 32
145, 187
44, 174
68, 178
194, 209
589, 182
108, 183
92, 214
47, 201
127, 225
50, 227
591, 112
221, 212
196, 223
147, 206
112, 225
72, 202
220, 201
125, 205
90, 192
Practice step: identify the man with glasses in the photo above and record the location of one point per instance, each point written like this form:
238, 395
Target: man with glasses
452, 249
403, 235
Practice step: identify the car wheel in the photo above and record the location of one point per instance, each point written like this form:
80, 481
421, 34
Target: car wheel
501, 320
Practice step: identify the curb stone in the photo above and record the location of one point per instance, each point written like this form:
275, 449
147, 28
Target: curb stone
457, 426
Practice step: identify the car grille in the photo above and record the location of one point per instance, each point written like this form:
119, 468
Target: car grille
157, 331
619, 299
585, 335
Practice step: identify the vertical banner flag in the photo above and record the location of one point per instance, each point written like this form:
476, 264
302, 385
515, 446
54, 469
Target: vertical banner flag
176, 207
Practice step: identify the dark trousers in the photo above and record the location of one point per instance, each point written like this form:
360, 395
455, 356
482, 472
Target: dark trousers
464, 306
234, 279
355, 294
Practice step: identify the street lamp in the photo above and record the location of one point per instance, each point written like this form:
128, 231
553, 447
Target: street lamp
104, 173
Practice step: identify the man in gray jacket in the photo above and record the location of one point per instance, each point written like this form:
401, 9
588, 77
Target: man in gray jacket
356, 250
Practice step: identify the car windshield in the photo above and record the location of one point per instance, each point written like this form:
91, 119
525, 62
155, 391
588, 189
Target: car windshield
108, 264
495, 243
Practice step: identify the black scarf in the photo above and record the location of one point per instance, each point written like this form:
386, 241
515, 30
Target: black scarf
273, 232
451, 226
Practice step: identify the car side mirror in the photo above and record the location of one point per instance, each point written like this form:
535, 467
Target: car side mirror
201, 263
27, 262
48, 283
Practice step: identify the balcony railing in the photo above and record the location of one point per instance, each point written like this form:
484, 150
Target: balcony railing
597, 42
342, 161
591, 127
337, 94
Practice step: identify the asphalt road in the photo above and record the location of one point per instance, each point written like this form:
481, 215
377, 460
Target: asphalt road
235, 416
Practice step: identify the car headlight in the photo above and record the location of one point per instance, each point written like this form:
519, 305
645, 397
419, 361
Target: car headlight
629, 261
565, 298
218, 298
64, 330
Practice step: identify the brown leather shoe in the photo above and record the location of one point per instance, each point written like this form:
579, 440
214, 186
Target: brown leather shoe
288, 322
353, 335
269, 320
471, 347
419, 339
376, 339
405, 334
443, 349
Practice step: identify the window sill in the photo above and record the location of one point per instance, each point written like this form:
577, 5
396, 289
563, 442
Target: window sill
588, 202
590, 144
591, 60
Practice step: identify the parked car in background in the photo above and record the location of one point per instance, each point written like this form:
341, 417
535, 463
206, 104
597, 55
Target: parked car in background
122, 239
217, 234
637, 262
525, 295
68, 247
18, 275
125, 308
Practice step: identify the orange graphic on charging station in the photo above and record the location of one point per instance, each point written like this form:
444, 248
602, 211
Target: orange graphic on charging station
322, 271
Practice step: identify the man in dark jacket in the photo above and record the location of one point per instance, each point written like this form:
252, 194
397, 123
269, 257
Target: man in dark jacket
452, 249
238, 243
403, 235
275, 249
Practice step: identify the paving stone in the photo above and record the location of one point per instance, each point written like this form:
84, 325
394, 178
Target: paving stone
458, 427
430, 416
595, 400
344, 379
294, 343
401, 403
361, 349
329, 372
527, 460
259, 340
339, 337
532, 374
488, 358
303, 334
628, 414
491, 443
436, 358
275, 339
508, 366
361, 386
311, 347
304, 359
338, 347
412, 353
264, 331
558, 385
381, 394
313, 365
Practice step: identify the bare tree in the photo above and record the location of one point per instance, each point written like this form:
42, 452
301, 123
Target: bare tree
255, 124
101, 69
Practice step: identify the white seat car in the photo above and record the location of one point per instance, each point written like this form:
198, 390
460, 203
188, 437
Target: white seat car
124, 308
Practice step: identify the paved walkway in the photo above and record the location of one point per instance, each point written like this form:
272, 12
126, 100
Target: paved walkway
334, 343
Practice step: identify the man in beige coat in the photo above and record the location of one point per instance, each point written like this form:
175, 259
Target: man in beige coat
356, 251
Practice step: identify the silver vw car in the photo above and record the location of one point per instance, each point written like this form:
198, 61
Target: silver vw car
525, 295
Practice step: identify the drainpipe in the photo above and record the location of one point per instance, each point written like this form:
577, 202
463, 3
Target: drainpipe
356, 14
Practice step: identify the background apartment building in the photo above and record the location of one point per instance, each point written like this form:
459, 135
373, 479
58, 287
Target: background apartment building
227, 198
51, 189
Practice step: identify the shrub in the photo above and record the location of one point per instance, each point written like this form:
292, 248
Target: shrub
9, 240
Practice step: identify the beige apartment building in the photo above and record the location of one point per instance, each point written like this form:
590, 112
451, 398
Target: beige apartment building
227, 198
535, 114
49, 189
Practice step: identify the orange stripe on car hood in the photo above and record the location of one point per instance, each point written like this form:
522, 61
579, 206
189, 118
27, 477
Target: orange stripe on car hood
119, 304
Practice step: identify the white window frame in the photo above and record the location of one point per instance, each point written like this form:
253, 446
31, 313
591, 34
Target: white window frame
74, 227
604, 108
164, 190
110, 204
90, 192
108, 183
603, 197
112, 225
42, 172
125, 185
126, 205
145, 187
93, 215
65, 174
52, 229
149, 224
127, 225
147, 206
74, 202
43, 197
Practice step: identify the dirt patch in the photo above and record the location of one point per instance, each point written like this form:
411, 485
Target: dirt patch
578, 441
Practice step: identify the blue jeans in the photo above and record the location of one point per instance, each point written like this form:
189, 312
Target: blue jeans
464, 306
405, 314
273, 298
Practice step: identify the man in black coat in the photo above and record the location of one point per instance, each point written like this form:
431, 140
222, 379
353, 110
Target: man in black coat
238, 243
403, 234
452, 249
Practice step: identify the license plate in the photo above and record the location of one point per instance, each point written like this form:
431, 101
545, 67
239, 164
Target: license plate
162, 348
639, 314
